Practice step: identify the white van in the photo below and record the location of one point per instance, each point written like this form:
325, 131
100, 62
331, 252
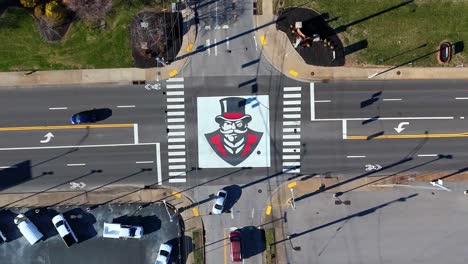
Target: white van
112, 230
28, 229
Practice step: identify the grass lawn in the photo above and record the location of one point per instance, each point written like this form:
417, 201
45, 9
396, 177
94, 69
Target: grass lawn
394, 36
198, 247
270, 251
84, 46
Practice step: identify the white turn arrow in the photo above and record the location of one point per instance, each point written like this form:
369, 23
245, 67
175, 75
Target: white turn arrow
400, 127
48, 137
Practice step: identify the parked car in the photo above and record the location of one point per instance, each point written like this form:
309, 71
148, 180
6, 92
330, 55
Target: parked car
218, 206
84, 117
122, 231
64, 230
28, 229
164, 254
236, 246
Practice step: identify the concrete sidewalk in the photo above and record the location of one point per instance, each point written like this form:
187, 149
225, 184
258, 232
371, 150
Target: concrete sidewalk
121, 75
122, 195
278, 50
306, 187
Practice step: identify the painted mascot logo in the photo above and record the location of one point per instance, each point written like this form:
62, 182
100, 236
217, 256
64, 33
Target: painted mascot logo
234, 141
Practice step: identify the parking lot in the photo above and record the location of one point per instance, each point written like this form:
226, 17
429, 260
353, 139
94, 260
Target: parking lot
88, 227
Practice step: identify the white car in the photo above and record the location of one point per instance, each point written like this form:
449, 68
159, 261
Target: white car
163, 254
218, 206
122, 231
28, 229
64, 230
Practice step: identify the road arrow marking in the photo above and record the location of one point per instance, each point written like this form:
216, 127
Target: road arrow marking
400, 127
48, 137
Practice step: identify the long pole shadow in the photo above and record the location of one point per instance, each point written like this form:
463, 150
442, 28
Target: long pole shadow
359, 214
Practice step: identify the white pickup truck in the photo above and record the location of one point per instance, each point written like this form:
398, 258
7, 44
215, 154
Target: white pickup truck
64, 230
112, 230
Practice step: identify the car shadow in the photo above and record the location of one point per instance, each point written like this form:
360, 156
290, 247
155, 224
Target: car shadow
234, 193
42, 218
149, 223
82, 223
7, 225
102, 114
253, 241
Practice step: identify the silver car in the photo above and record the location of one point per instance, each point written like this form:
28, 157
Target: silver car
218, 206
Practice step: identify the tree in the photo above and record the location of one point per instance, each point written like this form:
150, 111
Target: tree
28, 3
55, 13
90, 10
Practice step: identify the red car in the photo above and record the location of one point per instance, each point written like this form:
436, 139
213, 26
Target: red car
236, 246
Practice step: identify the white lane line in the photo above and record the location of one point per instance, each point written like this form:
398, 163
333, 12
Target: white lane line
144, 162
207, 46
291, 123
175, 79
288, 102
174, 86
175, 100
291, 157
58, 108
255, 41
176, 126
175, 134
291, 143
175, 93
75, 164
345, 129
176, 173
177, 180
462, 117
291, 136
175, 120
158, 163
291, 150
323, 101
175, 106
291, 130
178, 113
461, 98
177, 167
392, 99
170, 140
295, 95
292, 116
292, 109
312, 101
125, 106
7, 167
387, 118
291, 164
79, 146
253, 213
176, 146
355, 157
427, 155
291, 89
215, 47
179, 160
176, 153
232, 212
135, 133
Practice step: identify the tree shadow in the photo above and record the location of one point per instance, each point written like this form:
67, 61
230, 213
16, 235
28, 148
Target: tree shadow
15, 175
82, 223
42, 218
7, 224
150, 223
355, 47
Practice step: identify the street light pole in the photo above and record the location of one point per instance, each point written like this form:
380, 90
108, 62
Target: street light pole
167, 210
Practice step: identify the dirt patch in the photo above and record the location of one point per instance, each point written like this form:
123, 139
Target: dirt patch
155, 37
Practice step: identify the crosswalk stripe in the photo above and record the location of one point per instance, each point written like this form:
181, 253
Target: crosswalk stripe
291, 130
178, 160
291, 123
178, 180
176, 126
177, 173
175, 93
175, 100
176, 146
289, 102
177, 167
289, 116
292, 136
291, 150
178, 113
175, 120
291, 157
176, 153
295, 95
291, 89
170, 140
291, 170
175, 80
291, 143
174, 86
291, 164
175, 106
175, 134
291, 109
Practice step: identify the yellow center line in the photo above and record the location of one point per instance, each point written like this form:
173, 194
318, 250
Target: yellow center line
28, 128
452, 135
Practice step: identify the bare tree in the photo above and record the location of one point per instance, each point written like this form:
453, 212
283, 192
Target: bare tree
90, 10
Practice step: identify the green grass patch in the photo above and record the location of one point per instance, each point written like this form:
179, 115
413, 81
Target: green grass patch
270, 253
84, 46
198, 246
394, 37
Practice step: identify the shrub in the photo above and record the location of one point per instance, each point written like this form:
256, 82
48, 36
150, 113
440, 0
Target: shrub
28, 3
55, 13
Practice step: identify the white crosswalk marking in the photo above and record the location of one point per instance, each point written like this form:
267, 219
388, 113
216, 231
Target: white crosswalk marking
176, 130
291, 129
